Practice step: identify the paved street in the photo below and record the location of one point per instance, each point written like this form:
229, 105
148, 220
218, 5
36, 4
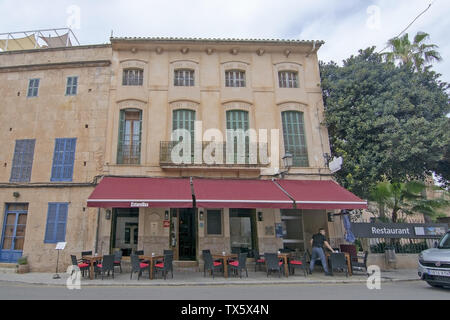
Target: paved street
400, 290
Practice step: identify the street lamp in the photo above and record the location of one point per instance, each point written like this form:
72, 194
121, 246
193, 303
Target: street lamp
288, 161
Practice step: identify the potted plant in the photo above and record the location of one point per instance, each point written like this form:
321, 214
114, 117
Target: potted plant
22, 265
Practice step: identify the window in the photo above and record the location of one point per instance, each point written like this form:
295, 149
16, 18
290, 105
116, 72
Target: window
294, 137
235, 78
214, 222
288, 79
238, 120
33, 88
129, 149
56, 222
63, 159
72, 86
22, 161
184, 78
133, 77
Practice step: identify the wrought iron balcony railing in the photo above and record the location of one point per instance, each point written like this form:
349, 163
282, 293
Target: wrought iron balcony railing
214, 154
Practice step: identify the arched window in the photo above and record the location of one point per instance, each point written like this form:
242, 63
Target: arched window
238, 120
184, 78
235, 78
294, 137
130, 131
288, 79
133, 77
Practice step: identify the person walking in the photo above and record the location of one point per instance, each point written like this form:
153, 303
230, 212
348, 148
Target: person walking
318, 241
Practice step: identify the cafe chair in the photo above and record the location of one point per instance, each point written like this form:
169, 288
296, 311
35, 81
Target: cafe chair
79, 265
107, 266
338, 262
351, 250
361, 265
273, 263
166, 265
259, 260
118, 259
298, 261
137, 266
85, 253
210, 265
241, 264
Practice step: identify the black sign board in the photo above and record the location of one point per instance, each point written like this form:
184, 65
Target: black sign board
399, 230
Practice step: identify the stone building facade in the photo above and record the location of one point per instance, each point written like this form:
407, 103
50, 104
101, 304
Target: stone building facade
110, 111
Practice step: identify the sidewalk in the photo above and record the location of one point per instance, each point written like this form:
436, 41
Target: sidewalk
196, 279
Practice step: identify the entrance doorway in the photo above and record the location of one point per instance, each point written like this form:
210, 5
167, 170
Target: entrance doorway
13, 235
183, 234
293, 234
243, 231
124, 230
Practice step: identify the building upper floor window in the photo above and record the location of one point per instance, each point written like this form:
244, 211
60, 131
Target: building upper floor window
63, 159
72, 86
288, 79
22, 161
294, 137
55, 230
133, 77
184, 78
235, 78
33, 88
130, 131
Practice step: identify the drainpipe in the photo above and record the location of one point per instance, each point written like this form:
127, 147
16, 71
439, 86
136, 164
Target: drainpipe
97, 232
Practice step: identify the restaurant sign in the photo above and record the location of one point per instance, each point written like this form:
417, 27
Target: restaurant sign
399, 230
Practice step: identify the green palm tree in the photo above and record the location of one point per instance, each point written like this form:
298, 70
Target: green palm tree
409, 198
417, 54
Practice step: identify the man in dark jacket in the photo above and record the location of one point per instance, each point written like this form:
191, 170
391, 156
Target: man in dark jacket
318, 241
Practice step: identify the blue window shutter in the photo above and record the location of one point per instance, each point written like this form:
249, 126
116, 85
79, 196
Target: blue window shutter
61, 222
51, 222
22, 161
63, 159
56, 222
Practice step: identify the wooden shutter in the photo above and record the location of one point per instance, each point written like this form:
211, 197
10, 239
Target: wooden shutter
56, 222
22, 161
294, 137
63, 159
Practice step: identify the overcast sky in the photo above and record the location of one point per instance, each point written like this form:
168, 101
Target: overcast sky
346, 26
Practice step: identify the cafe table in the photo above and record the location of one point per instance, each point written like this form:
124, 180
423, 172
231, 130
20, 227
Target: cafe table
285, 257
91, 261
152, 259
347, 258
225, 257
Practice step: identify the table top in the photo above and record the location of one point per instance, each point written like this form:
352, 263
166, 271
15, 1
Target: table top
228, 255
151, 257
92, 257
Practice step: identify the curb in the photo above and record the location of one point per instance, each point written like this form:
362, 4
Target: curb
212, 284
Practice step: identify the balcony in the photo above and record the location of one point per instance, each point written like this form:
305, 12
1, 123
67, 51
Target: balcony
213, 155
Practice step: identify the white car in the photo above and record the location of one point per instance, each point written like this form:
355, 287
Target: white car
434, 264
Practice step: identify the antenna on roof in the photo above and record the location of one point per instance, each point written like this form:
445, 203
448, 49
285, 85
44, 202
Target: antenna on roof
112, 33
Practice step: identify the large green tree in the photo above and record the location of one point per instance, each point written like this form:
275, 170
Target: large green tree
388, 122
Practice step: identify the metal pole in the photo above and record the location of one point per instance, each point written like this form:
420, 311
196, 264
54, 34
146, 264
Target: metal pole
56, 276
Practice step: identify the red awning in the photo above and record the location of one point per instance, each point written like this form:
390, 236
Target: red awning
309, 194
245, 194
115, 192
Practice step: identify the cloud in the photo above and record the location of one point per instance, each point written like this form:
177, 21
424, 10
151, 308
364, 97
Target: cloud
342, 24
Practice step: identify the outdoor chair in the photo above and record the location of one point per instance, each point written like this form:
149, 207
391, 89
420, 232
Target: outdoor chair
118, 259
166, 265
338, 262
137, 266
210, 265
82, 266
360, 266
298, 261
85, 253
241, 264
259, 261
107, 265
351, 250
273, 263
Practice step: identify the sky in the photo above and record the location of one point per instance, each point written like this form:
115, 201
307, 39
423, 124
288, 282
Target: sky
345, 26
